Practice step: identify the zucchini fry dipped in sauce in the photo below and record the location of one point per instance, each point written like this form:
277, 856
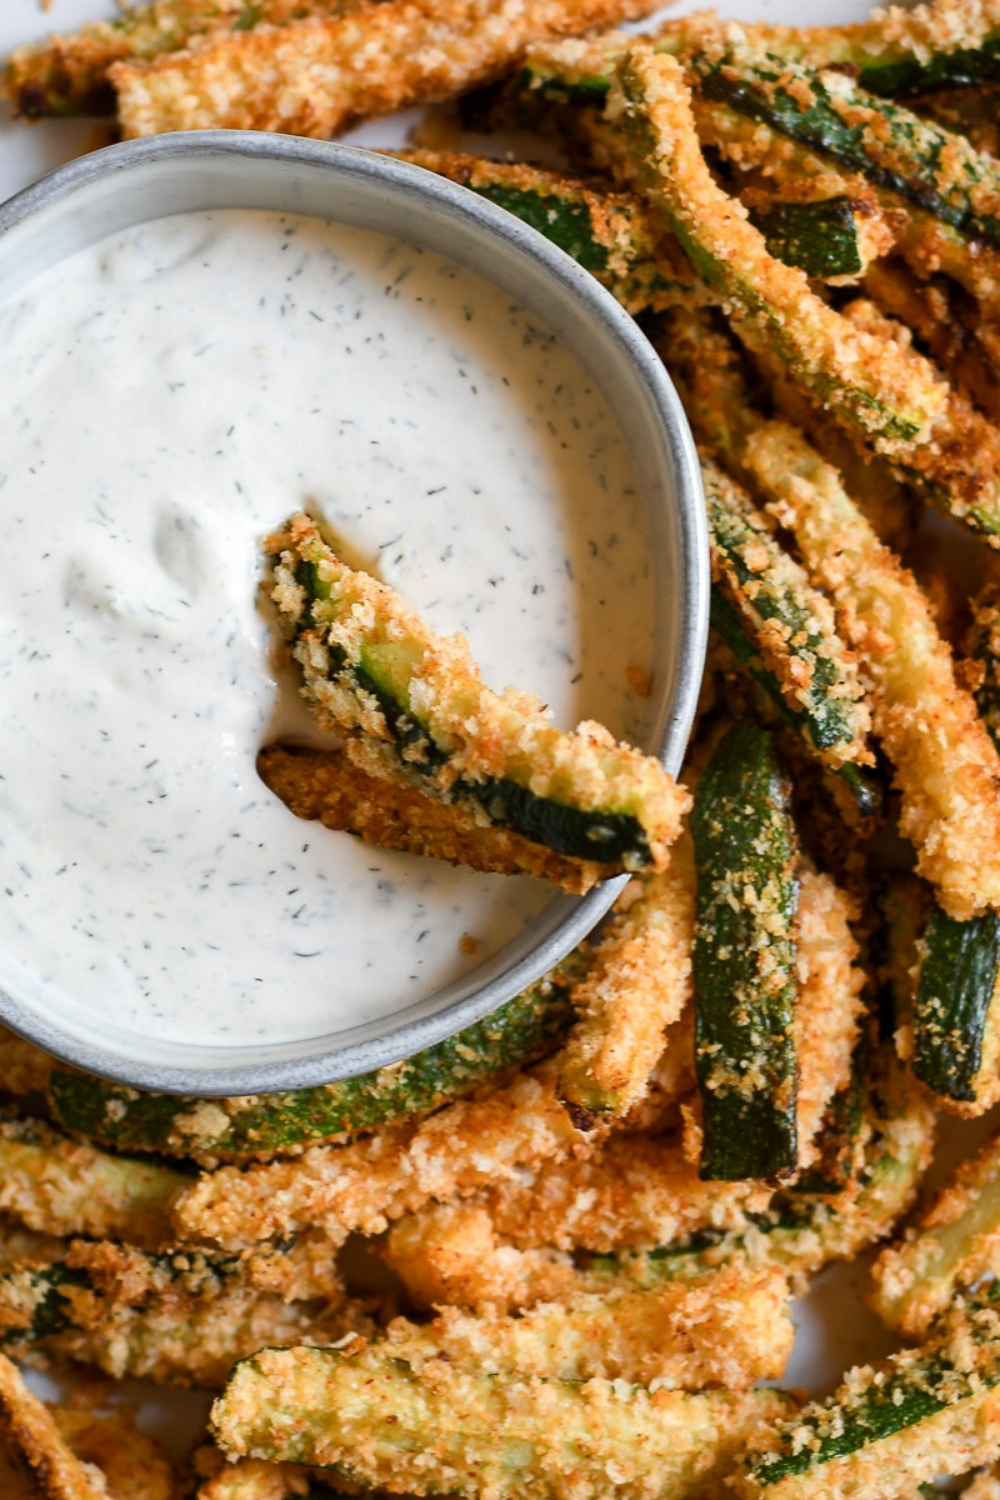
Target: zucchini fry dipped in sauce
432, 1426
946, 767
638, 984
956, 1241
317, 76
132, 1120
744, 961
415, 708
921, 1413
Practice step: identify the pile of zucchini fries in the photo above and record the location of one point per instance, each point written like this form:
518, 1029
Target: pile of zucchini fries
598, 1203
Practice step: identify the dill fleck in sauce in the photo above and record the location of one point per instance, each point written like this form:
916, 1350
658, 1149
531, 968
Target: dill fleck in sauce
172, 395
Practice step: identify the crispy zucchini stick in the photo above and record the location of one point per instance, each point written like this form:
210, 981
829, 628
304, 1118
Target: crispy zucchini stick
728, 1329
68, 75
33, 1435
180, 1317
946, 766
637, 986
921, 1413
397, 1170
433, 1427
956, 1240
414, 707
956, 1011
259, 1124
744, 961
316, 77
59, 1186
253, 1479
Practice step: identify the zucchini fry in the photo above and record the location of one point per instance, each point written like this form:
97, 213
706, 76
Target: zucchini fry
317, 76
24, 1068
180, 1317
956, 1011
637, 986
921, 1413
361, 1187
727, 1329
946, 767
827, 1005
955, 1242
68, 75
133, 1465
435, 1427
32, 1434
744, 961
414, 707
58, 1186
983, 646
253, 1479
258, 1124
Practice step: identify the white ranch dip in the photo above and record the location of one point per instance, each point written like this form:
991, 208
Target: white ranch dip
171, 396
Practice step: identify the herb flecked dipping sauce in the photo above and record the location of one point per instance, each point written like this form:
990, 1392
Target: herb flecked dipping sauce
172, 395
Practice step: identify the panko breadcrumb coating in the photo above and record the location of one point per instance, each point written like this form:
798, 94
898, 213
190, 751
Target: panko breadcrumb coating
317, 77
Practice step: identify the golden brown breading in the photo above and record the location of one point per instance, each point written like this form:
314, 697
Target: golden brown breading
729, 1328
489, 1137
638, 985
317, 77
32, 1434
24, 1068
946, 766
133, 1465
828, 1003
328, 786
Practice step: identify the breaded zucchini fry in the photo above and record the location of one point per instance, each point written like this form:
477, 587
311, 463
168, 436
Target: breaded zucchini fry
259, 1124
946, 767
397, 1170
442, 1428
68, 75
728, 1329
956, 1011
956, 1241
253, 1479
983, 646
744, 961
414, 707
181, 1317
638, 985
24, 1068
316, 77
59, 1186
921, 1413
108, 1445
32, 1434
828, 1002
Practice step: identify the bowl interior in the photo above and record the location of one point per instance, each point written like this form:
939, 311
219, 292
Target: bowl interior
144, 180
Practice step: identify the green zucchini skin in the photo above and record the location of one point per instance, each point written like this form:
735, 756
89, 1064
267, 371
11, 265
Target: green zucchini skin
983, 646
821, 238
957, 1369
744, 961
912, 78
907, 155
523, 1030
952, 1003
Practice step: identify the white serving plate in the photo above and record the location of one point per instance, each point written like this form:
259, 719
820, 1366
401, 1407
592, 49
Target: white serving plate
834, 1327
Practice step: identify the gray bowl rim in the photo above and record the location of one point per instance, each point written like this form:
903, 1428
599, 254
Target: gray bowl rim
610, 322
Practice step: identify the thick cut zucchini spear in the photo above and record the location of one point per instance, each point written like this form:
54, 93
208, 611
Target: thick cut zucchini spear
946, 766
956, 1241
638, 985
726, 1329
611, 234
181, 1317
893, 398
130, 1119
434, 1427
956, 1011
68, 75
923, 1412
317, 76
791, 623
744, 961
59, 1186
906, 54
415, 708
